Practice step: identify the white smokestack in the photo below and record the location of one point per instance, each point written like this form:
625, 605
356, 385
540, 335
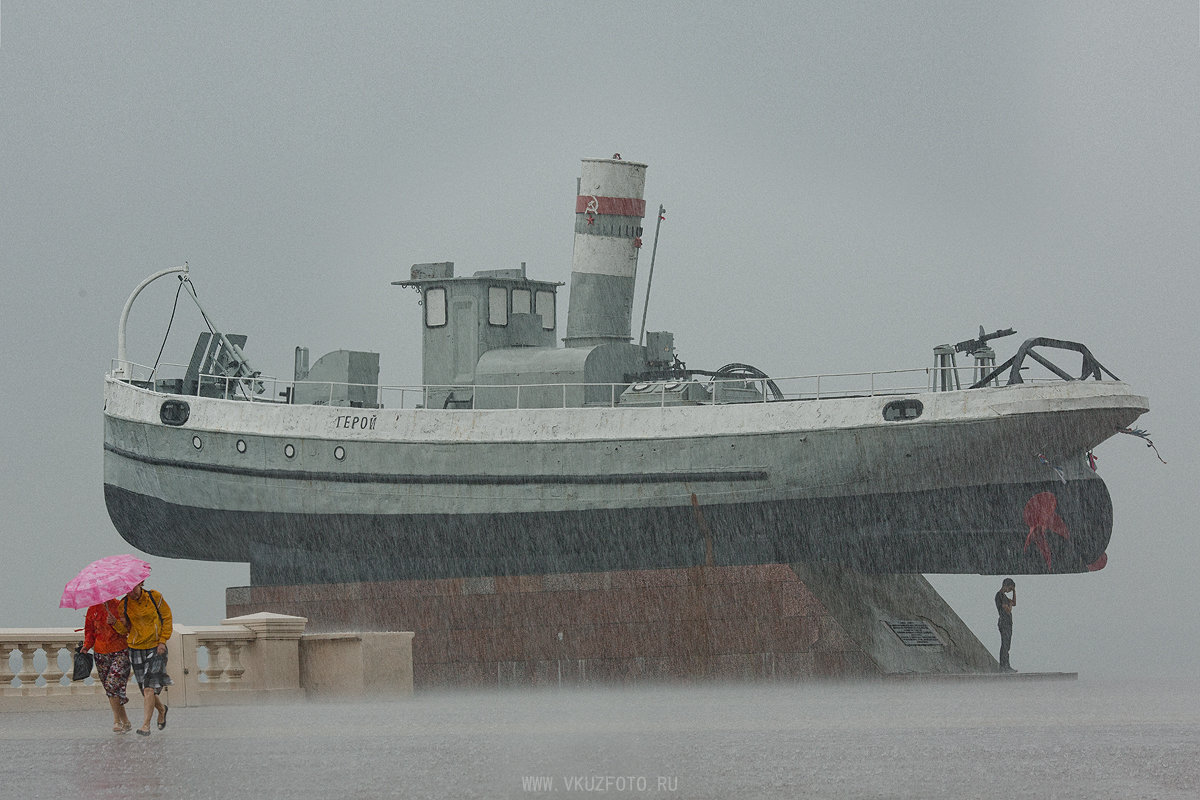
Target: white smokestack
608, 236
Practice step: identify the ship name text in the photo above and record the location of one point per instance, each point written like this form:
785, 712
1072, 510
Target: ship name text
355, 422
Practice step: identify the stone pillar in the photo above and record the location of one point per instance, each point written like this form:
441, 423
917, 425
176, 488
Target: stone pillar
273, 661
181, 667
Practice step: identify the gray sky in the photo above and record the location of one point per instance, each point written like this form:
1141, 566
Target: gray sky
847, 186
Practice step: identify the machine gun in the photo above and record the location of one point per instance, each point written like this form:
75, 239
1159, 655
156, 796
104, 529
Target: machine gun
971, 345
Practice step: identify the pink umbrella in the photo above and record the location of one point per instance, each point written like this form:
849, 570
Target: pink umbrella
102, 580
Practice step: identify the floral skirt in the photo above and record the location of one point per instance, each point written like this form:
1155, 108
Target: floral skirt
113, 669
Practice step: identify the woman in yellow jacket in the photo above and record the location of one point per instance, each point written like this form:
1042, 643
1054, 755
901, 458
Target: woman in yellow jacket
145, 620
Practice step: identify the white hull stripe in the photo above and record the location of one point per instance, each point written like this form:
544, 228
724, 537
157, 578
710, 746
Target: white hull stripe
723, 476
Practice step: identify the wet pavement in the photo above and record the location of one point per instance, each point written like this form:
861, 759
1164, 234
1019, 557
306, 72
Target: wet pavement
963, 739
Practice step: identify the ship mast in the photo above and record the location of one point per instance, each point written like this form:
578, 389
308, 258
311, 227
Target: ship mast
122, 370
650, 280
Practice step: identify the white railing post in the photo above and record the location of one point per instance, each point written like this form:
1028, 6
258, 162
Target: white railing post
234, 670
213, 671
53, 673
6, 673
28, 675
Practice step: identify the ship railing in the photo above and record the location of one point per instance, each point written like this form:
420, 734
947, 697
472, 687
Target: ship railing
708, 391
164, 378
141, 374
673, 392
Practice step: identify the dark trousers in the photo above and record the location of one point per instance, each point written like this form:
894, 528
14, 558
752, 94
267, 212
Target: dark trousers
1005, 640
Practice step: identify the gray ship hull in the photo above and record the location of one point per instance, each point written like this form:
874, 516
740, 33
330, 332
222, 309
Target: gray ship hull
884, 533
984, 481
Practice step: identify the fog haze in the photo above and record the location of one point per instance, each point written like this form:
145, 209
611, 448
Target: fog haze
846, 187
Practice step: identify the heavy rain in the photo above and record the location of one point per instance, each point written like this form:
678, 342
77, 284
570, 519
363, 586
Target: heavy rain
1082, 739
840, 192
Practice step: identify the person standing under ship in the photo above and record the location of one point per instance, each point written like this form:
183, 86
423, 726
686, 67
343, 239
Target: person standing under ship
112, 658
147, 625
1006, 598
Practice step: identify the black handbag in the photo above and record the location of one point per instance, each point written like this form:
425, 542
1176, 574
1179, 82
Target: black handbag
83, 664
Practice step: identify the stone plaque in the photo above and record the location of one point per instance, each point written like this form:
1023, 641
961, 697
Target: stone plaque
914, 632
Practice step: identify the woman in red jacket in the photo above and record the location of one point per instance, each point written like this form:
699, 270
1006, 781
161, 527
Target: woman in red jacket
112, 658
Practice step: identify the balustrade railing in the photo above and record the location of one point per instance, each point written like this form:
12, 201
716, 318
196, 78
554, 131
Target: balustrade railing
201, 660
220, 651
244, 659
40, 655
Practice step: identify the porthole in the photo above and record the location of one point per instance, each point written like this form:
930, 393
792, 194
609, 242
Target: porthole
241, 445
339, 453
289, 450
673, 386
173, 412
196, 443
900, 410
641, 387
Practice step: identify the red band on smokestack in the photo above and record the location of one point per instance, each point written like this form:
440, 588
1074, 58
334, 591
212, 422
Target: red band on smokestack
616, 206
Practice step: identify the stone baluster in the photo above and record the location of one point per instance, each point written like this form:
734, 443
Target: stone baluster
233, 672
53, 673
6, 673
28, 675
214, 669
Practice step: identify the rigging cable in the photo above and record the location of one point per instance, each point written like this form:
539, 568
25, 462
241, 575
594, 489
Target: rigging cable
169, 323
196, 298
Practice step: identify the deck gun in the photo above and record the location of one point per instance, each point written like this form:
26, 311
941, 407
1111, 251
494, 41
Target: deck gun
970, 346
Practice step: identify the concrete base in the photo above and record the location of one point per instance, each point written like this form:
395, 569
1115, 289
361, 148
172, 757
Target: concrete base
900, 621
988, 676
339, 665
762, 622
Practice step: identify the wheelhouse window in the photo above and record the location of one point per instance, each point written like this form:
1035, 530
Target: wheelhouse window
545, 307
435, 307
522, 301
497, 305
